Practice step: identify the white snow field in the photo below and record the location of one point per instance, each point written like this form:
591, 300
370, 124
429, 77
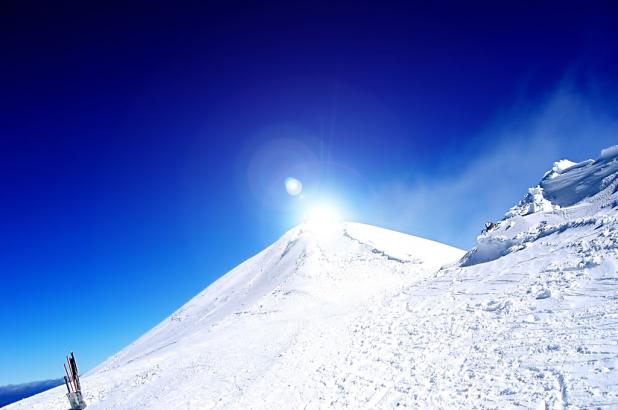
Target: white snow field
361, 317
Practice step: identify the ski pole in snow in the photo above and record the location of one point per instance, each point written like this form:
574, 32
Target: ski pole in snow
76, 374
72, 369
68, 377
71, 380
66, 382
72, 375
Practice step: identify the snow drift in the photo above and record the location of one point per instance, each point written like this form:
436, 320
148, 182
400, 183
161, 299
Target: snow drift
361, 317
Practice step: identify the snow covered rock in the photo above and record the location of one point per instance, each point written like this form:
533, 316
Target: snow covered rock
543, 294
533, 202
569, 195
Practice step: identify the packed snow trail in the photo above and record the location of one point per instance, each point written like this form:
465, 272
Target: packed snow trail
361, 317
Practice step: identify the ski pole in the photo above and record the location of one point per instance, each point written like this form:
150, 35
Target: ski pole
66, 382
76, 374
72, 374
67, 376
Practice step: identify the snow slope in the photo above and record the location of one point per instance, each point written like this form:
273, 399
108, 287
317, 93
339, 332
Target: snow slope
262, 328
361, 317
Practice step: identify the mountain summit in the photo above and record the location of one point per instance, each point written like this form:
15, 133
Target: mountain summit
261, 335
361, 317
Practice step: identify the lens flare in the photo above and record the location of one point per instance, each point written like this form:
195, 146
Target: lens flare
293, 186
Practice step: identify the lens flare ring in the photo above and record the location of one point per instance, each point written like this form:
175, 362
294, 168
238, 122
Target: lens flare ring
293, 186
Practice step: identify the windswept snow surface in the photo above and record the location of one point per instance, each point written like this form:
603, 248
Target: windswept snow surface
361, 317
267, 334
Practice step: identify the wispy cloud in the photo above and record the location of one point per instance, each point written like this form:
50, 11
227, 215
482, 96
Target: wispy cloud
514, 152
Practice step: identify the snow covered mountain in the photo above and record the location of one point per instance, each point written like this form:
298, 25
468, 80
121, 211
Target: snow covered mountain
262, 334
361, 317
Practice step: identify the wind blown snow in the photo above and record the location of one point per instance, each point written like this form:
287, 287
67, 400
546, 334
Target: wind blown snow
370, 318
609, 152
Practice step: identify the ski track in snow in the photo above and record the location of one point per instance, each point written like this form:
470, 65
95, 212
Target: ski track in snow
366, 318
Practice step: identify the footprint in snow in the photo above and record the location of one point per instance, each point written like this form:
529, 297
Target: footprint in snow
497, 306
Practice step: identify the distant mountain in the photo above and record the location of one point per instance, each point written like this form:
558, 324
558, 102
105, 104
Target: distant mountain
353, 316
15, 392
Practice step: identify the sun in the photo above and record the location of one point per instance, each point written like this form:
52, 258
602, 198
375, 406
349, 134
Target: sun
323, 217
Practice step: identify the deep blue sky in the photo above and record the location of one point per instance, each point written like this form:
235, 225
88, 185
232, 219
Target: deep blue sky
143, 148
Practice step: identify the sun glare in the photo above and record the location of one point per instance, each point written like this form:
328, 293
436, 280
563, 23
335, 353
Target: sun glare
322, 217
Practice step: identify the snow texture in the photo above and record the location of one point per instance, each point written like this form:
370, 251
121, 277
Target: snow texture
362, 317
